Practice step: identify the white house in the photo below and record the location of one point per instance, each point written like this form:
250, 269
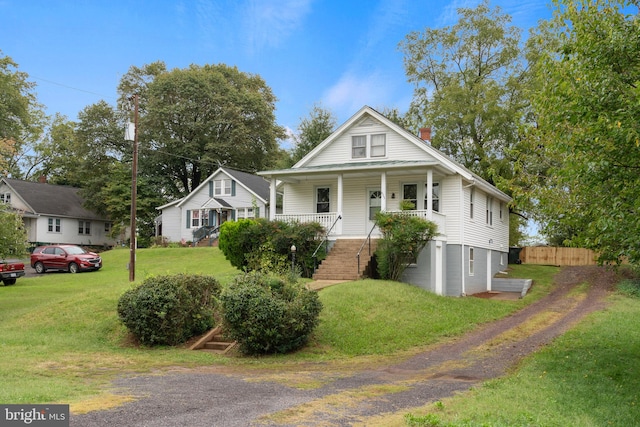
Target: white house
227, 194
370, 164
55, 214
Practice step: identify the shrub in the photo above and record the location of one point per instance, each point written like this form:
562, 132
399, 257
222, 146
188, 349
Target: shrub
630, 288
268, 315
403, 237
168, 310
260, 244
235, 241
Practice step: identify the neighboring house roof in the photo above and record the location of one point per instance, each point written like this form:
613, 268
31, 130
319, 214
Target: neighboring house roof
442, 161
51, 200
256, 185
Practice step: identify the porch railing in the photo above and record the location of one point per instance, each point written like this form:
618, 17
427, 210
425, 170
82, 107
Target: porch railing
436, 217
326, 220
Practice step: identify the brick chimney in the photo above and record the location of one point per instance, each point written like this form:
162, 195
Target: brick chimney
425, 134
42, 179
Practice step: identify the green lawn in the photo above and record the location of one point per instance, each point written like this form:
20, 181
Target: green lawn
66, 343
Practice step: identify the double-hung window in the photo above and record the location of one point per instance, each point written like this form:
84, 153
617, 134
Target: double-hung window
84, 227
378, 145
54, 225
323, 200
489, 210
5, 198
222, 187
435, 198
359, 146
410, 196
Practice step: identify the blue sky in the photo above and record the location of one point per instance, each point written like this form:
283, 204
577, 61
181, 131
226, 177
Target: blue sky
340, 54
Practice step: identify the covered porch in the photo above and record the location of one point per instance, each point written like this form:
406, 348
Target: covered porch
344, 198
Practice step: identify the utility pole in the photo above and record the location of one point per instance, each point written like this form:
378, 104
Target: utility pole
134, 192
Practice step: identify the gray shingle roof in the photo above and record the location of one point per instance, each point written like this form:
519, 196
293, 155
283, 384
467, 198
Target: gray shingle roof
53, 200
255, 183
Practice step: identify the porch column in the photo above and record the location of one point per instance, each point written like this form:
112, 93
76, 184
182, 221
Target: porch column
429, 190
272, 199
383, 190
340, 201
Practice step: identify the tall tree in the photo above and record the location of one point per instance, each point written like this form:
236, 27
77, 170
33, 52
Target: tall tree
312, 130
468, 87
193, 120
21, 117
13, 235
588, 107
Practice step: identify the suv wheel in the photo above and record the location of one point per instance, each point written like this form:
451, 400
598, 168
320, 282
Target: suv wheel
73, 268
39, 268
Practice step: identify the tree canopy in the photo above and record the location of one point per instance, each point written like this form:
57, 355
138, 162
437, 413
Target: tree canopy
313, 129
588, 107
196, 119
468, 87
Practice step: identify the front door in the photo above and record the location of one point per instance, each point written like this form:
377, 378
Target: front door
374, 205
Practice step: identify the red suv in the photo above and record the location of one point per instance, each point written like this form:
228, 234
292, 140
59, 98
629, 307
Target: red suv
69, 258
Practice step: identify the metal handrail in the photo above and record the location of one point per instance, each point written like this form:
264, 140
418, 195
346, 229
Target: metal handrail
204, 232
323, 242
367, 239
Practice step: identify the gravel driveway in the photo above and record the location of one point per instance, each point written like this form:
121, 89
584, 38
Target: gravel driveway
221, 396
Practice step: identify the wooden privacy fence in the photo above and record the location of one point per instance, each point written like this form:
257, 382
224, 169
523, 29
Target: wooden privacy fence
557, 256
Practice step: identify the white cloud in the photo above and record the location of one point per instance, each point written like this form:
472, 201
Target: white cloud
352, 92
268, 23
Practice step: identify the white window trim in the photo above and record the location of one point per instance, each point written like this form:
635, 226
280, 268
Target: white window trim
471, 261
315, 198
55, 223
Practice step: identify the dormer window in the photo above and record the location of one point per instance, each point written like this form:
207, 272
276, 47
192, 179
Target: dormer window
376, 144
5, 198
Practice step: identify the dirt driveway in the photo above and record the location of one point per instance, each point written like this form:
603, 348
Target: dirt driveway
328, 395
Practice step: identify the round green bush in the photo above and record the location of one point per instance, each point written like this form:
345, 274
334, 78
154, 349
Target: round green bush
168, 310
264, 314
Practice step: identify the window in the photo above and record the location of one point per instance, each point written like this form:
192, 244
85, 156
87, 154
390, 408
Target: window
378, 145
410, 196
500, 208
5, 198
375, 203
435, 191
54, 225
245, 213
470, 261
84, 227
195, 219
359, 146
322, 200
222, 187
489, 210
471, 196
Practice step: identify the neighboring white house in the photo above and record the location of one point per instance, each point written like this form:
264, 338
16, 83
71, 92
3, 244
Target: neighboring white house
370, 164
227, 194
55, 214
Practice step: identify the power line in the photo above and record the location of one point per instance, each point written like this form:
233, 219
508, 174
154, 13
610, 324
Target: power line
71, 87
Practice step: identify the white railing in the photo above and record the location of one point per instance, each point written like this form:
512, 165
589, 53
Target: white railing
436, 217
325, 219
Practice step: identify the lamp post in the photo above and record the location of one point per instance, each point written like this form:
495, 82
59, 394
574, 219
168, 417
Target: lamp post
293, 258
134, 189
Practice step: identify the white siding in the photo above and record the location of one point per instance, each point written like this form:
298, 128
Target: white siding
69, 232
397, 148
172, 223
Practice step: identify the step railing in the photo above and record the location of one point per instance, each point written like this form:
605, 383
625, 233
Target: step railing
367, 240
325, 242
207, 231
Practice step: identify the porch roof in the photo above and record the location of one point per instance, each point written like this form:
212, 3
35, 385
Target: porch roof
216, 203
354, 168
